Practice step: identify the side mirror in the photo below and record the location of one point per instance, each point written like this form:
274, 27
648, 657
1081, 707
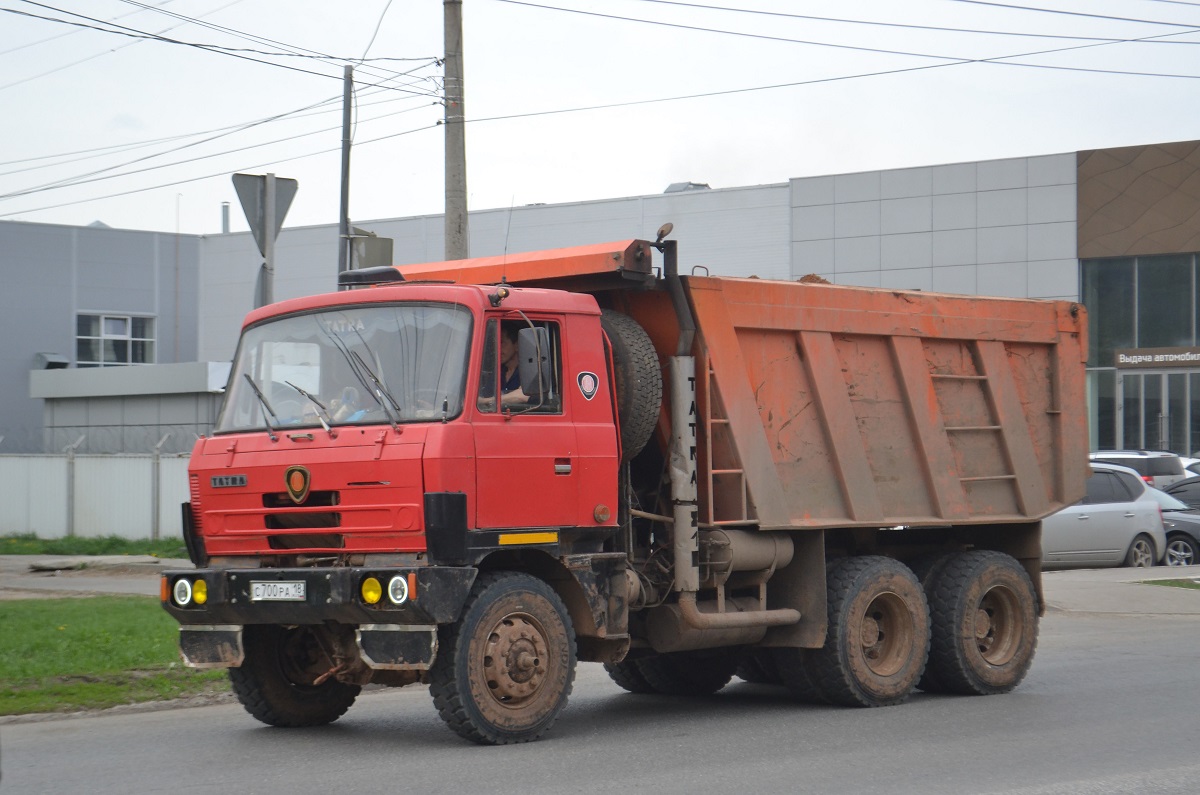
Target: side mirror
533, 354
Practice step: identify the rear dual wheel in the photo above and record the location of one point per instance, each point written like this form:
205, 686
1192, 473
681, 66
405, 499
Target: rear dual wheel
985, 624
877, 639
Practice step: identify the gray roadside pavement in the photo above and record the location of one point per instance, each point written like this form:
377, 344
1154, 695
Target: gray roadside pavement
1119, 591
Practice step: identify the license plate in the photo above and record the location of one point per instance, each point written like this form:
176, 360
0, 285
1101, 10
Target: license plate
277, 591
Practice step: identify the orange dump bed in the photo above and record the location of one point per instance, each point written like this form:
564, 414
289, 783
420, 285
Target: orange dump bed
838, 406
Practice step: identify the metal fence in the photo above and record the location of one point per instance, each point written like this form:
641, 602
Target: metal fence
131, 496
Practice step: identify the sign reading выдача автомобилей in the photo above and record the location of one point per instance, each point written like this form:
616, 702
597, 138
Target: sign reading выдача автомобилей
1143, 358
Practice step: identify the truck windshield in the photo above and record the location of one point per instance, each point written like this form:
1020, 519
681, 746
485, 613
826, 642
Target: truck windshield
367, 364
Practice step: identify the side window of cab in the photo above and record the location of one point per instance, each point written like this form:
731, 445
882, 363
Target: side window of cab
522, 363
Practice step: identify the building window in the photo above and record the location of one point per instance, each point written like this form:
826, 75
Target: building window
113, 340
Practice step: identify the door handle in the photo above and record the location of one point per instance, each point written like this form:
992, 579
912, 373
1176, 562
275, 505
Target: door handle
1130, 515
562, 466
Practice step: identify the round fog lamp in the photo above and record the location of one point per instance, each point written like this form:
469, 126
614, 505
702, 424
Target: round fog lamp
183, 593
371, 590
398, 590
200, 592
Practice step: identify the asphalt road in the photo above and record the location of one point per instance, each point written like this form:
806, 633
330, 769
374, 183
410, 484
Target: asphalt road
1109, 707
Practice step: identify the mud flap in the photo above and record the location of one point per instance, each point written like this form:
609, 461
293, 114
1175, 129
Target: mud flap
397, 647
211, 645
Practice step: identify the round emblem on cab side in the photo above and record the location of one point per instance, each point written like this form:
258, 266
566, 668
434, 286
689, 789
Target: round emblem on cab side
588, 383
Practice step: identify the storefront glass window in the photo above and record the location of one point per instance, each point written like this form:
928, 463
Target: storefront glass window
1102, 394
1164, 301
1108, 290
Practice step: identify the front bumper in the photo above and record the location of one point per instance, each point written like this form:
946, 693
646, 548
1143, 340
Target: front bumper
330, 594
388, 636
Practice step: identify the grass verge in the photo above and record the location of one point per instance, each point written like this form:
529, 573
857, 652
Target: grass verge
30, 544
1174, 583
65, 655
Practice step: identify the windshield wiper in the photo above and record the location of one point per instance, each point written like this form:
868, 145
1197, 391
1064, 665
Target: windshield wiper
380, 391
322, 412
266, 407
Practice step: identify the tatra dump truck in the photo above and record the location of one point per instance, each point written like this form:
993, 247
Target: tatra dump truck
837, 490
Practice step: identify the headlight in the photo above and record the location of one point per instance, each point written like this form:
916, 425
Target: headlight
371, 590
200, 592
398, 590
183, 592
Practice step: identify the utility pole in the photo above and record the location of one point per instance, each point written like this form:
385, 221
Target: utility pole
457, 231
344, 214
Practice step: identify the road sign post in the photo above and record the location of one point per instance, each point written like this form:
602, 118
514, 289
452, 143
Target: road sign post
265, 200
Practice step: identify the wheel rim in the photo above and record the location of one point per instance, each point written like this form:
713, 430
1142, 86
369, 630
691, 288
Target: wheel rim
886, 635
1141, 554
515, 658
1179, 553
998, 625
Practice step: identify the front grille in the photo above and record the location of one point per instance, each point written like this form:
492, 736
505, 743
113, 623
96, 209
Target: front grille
315, 499
294, 521
307, 541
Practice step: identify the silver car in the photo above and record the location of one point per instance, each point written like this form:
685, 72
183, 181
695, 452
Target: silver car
1159, 468
1118, 523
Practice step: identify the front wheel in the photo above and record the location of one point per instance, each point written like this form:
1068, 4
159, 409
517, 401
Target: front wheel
276, 681
1182, 550
878, 636
1141, 553
504, 670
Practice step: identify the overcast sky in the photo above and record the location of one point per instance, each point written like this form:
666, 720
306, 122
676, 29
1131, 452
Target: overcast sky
142, 133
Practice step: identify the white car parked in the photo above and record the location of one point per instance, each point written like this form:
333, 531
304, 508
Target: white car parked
1118, 523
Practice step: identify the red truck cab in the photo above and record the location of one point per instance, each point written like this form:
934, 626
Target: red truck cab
410, 373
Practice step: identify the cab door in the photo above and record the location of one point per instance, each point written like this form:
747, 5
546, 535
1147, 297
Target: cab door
524, 453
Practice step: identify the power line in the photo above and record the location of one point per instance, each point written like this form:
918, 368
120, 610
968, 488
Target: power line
103, 151
298, 51
99, 54
1000, 60
139, 34
48, 39
94, 176
902, 25
212, 176
1077, 13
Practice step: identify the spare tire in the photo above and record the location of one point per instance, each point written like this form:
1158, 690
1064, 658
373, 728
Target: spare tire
637, 380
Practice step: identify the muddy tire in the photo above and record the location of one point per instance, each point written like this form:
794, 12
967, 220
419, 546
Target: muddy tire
878, 637
1141, 552
690, 673
985, 625
504, 670
790, 663
758, 667
629, 677
275, 681
637, 380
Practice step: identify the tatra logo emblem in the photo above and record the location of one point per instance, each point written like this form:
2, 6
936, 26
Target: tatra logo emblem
588, 383
297, 481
